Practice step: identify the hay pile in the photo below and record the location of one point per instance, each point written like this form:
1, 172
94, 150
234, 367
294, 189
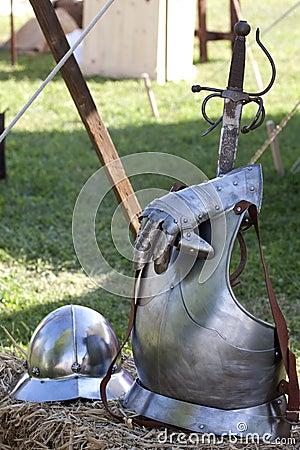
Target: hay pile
82, 424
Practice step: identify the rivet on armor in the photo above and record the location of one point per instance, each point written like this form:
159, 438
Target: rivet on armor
200, 216
172, 286
191, 250
219, 188
279, 401
252, 188
185, 220
239, 209
249, 168
217, 207
36, 371
201, 426
175, 221
235, 183
188, 234
76, 367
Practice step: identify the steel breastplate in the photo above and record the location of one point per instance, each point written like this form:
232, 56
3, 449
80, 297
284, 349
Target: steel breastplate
194, 342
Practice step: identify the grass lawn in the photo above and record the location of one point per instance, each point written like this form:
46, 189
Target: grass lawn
49, 158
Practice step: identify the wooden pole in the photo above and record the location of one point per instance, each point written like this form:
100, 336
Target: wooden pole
275, 148
13, 50
86, 107
151, 96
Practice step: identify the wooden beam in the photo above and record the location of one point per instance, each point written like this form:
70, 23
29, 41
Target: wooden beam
90, 117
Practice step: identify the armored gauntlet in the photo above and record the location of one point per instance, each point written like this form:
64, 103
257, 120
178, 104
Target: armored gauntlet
173, 219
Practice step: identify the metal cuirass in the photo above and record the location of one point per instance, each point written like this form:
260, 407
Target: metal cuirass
204, 362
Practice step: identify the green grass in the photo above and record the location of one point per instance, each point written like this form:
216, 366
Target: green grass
49, 158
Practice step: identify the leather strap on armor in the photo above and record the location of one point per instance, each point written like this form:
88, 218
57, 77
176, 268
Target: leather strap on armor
292, 387
234, 276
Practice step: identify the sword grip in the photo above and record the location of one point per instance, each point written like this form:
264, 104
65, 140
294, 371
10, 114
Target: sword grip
237, 67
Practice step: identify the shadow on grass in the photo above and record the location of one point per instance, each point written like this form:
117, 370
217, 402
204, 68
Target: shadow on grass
32, 67
47, 170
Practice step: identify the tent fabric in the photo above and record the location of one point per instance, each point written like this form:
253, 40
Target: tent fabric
73, 7
30, 39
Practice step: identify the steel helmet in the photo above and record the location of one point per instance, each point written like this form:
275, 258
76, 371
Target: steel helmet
69, 354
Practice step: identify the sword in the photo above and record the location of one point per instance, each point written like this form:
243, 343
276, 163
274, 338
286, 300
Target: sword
234, 100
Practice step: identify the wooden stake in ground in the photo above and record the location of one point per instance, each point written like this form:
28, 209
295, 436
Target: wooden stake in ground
86, 107
151, 95
275, 148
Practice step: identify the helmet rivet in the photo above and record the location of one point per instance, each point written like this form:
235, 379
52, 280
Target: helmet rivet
36, 371
252, 188
76, 367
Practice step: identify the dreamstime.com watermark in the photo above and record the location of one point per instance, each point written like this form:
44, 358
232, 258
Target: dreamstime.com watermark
195, 439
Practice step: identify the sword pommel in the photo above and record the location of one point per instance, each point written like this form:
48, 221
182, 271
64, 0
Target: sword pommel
237, 67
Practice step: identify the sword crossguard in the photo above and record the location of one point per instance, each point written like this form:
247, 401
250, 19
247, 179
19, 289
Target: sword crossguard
234, 90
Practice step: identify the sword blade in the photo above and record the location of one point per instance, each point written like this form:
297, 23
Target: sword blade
233, 102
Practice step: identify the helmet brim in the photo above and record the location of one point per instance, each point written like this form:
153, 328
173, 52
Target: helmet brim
73, 387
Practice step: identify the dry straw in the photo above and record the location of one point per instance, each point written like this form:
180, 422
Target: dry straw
84, 424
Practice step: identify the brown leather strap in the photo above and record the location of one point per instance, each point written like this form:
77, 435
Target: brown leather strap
105, 380
292, 387
234, 276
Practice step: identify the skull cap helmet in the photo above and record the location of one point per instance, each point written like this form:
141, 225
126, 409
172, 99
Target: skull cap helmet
69, 354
